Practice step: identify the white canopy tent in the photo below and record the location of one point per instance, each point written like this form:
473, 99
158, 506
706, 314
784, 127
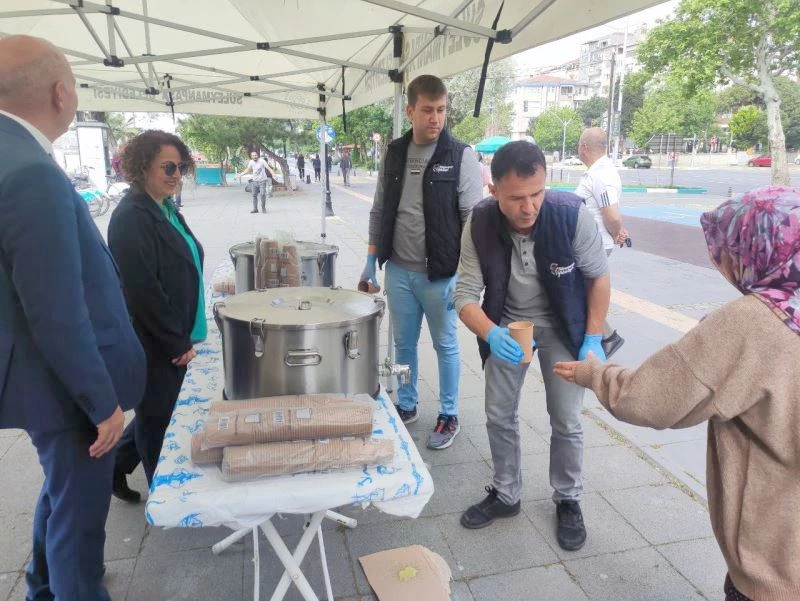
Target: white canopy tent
286, 58
273, 58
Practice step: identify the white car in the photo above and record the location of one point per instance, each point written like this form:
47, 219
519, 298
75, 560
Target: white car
797, 160
573, 161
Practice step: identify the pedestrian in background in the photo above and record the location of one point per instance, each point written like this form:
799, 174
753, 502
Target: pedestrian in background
345, 165
316, 163
737, 369
301, 166
261, 182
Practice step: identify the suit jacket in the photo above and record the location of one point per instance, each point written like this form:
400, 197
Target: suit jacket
158, 273
68, 351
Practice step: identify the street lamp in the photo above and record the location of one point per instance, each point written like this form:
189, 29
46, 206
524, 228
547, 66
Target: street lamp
564, 136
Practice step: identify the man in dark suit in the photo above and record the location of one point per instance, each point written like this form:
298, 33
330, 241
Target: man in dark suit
70, 362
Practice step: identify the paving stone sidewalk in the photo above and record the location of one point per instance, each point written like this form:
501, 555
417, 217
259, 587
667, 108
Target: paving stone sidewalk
649, 539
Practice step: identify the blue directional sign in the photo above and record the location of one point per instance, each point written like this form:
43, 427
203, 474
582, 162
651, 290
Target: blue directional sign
330, 134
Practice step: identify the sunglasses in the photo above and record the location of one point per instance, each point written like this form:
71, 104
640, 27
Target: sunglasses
170, 168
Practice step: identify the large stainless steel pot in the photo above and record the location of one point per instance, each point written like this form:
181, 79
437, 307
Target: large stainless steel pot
299, 341
317, 264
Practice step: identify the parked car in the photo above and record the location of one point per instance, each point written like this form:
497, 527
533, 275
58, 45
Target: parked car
638, 161
797, 160
573, 161
763, 161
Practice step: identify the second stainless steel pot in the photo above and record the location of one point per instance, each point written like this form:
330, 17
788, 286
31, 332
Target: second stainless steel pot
317, 264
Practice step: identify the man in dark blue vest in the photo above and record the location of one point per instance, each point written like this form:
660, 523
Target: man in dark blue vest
428, 184
70, 362
537, 256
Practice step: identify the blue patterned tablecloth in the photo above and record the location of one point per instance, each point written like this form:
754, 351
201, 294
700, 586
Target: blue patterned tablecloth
186, 495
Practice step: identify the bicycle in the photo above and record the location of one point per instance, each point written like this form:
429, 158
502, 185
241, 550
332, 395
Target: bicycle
96, 200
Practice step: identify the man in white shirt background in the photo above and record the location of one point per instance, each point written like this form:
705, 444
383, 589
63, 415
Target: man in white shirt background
601, 189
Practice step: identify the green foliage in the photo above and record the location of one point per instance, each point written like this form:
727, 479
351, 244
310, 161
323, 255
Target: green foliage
749, 127
734, 97
120, 127
713, 41
593, 110
495, 123
633, 92
462, 89
361, 124
789, 92
219, 137
547, 129
667, 110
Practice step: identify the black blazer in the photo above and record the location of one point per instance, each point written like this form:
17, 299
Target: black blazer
158, 274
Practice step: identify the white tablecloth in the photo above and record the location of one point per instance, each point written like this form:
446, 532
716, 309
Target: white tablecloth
186, 495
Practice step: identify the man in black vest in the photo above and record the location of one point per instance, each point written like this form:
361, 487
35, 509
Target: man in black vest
429, 182
539, 257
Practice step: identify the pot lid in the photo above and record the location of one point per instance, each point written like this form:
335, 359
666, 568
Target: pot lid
301, 307
305, 249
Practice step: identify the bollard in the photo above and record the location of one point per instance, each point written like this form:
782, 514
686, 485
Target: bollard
308, 179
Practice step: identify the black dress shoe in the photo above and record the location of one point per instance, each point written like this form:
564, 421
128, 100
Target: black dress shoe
612, 344
570, 532
488, 510
122, 491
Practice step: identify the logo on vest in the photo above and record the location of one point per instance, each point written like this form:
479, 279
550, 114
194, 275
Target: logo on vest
437, 168
558, 271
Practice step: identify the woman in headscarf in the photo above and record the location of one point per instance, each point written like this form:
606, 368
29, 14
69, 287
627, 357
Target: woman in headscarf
738, 369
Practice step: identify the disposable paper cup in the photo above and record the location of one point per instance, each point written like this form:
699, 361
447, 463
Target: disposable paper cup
368, 288
522, 332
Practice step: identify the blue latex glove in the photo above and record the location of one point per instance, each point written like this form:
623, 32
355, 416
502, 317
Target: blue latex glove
504, 346
592, 342
368, 275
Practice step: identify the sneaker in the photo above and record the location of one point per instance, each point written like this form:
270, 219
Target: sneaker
612, 344
570, 532
488, 510
445, 431
254, 211
407, 417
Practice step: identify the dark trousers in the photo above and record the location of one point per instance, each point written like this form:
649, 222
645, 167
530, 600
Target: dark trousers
317, 172
143, 437
301, 171
70, 518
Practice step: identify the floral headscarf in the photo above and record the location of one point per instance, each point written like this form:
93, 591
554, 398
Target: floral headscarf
760, 232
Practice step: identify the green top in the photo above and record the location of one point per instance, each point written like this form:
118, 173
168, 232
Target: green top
199, 329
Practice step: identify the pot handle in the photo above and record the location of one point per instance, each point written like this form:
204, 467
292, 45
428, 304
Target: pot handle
351, 344
302, 358
215, 310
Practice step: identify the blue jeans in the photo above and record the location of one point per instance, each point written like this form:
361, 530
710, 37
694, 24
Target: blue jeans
410, 295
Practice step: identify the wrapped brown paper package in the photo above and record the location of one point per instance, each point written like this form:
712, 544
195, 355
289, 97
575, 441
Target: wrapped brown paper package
204, 457
279, 424
276, 458
278, 402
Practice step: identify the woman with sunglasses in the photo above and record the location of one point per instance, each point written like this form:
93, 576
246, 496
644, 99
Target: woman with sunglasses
161, 268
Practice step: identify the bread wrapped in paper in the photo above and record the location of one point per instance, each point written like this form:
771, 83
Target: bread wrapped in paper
297, 457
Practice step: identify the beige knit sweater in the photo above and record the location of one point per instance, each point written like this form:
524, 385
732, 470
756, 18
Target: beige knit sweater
739, 369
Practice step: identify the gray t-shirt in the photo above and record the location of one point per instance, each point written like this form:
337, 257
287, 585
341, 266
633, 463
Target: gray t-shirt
526, 299
409, 229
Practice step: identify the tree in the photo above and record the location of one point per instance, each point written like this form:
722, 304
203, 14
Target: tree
361, 124
121, 127
462, 89
633, 92
748, 126
734, 97
665, 110
548, 129
749, 42
593, 110
491, 123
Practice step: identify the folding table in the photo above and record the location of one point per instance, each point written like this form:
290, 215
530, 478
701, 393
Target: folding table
185, 495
